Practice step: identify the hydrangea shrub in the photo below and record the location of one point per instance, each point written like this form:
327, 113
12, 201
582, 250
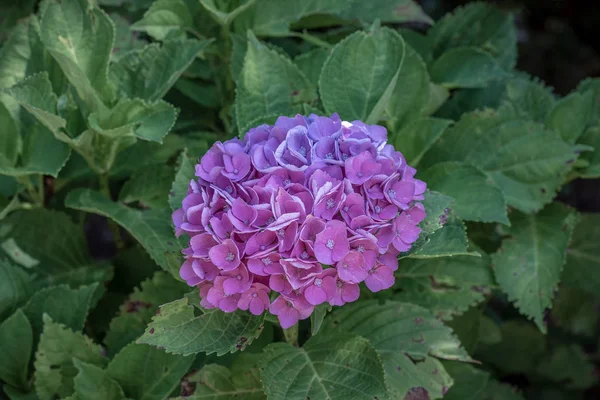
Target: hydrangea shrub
286, 200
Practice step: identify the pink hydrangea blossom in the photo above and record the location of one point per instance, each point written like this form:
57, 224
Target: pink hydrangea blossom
298, 214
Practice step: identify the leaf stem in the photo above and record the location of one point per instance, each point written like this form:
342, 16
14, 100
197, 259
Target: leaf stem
312, 39
291, 335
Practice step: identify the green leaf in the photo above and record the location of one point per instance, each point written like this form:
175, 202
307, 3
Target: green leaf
327, 367
529, 263
15, 288
185, 173
317, 317
569, 366
467, 100
411, 94
311, 63
450, 240
571, 115
149, 186
136, 118
476, 198
10, 139
151, 228
125, 39
93, 383
269, 83
501, 391
361, 73
139, 309
591, 137
54, 368
520, 350
478, 25
79, 36
47, 242
465, 67
406, 337
64, 305
527, 162
416, 137
527, 98
470, 383
575, 311
150, 72
146, 373
16, 343
583, 256
225, 17
446, 286
165, 19
218, 382
178, 329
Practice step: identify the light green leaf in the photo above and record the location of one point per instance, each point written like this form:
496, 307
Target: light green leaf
582, 270
470, 383
450, 240
93, 383
146, 373
219, 383
149, 186
394, 11
591, 137
527, 162
411, 94
226, 17
54, 368
568, 366
478, 25
178, 329
404, 335
465, 67
50, 240
317, 317
571, 115
151, 228
527, 98
125, 39
165, 19
520, 350
10, 139
361, 73
416, 137
146, 121
16, 343
80, 36
446, 286
64, 305
269, 83
529, 263
436, 206
476, 198
311, 63
15, 288
185, 173
339, 366
139, 309
150, 72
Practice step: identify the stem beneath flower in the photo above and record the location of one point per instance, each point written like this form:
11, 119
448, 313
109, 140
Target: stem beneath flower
291, 335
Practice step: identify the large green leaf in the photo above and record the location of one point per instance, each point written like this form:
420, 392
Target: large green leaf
240, 382
450, 240
475, 197
79, 36
180, 330
150, 72
152, 228
16, 343
501, 391
529, 263
470, 383
165, 19
64, 305
269, 84
140, 307
575, 311
338, 366
54, 368
527, 162
47, 242
10, 139
411, 94
591, 137
149, 186
569, 366
479, 25
185, 173
582, 270
93, 383
447, 286
361, 73
407, 337
146, 373
465, 67
528, 98
311, 63
15, 287
571, 115
416, 137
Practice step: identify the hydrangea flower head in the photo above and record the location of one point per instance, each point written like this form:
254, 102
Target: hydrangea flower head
298, 214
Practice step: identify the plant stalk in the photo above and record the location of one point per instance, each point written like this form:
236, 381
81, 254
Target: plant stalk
291, 335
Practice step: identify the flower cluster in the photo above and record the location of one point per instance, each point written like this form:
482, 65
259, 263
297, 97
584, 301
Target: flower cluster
307, 208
